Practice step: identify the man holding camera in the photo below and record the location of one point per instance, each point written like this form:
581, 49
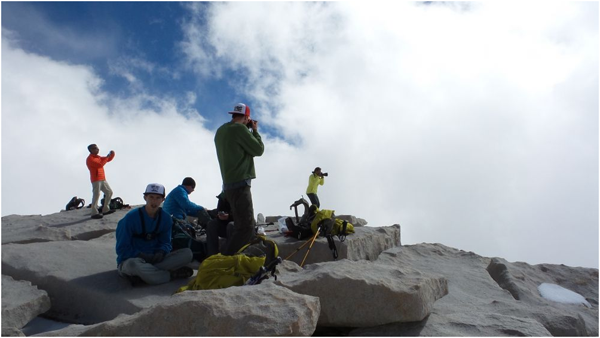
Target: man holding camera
236, 148
95, 164
315, 179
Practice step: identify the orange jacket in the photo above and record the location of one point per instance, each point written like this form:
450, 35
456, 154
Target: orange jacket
95, 164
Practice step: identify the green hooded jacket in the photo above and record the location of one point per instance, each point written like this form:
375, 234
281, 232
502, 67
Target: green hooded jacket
236, 149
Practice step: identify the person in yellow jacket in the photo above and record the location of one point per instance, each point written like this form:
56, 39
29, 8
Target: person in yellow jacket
315, 179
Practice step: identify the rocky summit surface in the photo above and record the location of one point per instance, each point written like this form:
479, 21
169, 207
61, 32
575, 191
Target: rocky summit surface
62, 267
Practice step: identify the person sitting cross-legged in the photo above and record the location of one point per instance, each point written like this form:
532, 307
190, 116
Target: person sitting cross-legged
144, 243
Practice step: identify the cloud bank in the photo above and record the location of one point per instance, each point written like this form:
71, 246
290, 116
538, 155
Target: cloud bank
472, 125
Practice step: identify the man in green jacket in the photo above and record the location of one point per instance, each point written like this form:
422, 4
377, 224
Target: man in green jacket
236, 149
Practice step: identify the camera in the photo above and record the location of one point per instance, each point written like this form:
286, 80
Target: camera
249, 124
324, 174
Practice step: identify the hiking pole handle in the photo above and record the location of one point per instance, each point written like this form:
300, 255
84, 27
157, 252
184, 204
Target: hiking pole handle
273, 263
262, 272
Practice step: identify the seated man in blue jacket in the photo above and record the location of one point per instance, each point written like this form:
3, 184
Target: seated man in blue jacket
179, 206
144, 242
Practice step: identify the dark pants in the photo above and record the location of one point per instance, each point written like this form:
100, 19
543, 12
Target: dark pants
314, 199
215, 229
242, 211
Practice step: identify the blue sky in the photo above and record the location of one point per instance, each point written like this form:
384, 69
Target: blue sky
471, 124
144, 38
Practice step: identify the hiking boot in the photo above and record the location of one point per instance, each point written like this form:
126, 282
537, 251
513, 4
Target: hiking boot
97, 216
135, 280
109, 212
183, 272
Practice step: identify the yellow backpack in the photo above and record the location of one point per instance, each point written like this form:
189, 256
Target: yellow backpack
219, 271
338, 225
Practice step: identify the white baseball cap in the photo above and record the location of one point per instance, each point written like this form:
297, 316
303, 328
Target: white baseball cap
241, 109
155, 188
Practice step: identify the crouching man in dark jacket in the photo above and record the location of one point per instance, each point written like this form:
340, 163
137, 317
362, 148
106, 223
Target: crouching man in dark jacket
144, 242
221, 226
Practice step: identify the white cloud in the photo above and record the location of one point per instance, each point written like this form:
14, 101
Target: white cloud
476, 127
51, 111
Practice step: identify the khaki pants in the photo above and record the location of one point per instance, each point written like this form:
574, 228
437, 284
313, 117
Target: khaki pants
158, 273
97, 187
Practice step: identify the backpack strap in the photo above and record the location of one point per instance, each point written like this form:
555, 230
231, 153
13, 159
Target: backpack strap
265, 241
79, 203
148, 236
332, 246
342, 234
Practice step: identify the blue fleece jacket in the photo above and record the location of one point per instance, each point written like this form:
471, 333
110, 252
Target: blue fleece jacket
179, 205
129, 246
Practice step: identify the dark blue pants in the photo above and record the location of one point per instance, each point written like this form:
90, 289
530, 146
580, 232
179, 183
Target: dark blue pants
214, 230
314, 199
242, 211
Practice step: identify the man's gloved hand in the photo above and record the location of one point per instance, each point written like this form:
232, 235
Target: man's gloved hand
158, 257
147, 257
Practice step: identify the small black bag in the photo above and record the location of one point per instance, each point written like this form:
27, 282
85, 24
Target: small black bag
115, 203
75, 203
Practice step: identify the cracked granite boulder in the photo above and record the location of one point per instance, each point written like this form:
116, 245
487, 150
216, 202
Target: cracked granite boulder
481, 296
21, 302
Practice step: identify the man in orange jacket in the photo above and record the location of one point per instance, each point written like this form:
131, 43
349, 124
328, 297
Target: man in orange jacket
95, 164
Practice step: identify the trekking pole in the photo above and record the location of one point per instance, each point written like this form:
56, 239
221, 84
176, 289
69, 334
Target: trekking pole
299, 248
310, 246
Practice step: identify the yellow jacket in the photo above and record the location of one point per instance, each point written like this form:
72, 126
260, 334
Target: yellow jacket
314, 182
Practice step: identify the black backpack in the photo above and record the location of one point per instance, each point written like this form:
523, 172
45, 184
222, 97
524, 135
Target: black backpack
260, 246
75, 203
183, 235
115, 203
301, 229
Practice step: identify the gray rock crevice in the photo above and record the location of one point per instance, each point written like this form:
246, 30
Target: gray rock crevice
499, 272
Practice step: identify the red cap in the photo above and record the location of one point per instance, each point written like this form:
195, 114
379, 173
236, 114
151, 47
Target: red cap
241, 109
